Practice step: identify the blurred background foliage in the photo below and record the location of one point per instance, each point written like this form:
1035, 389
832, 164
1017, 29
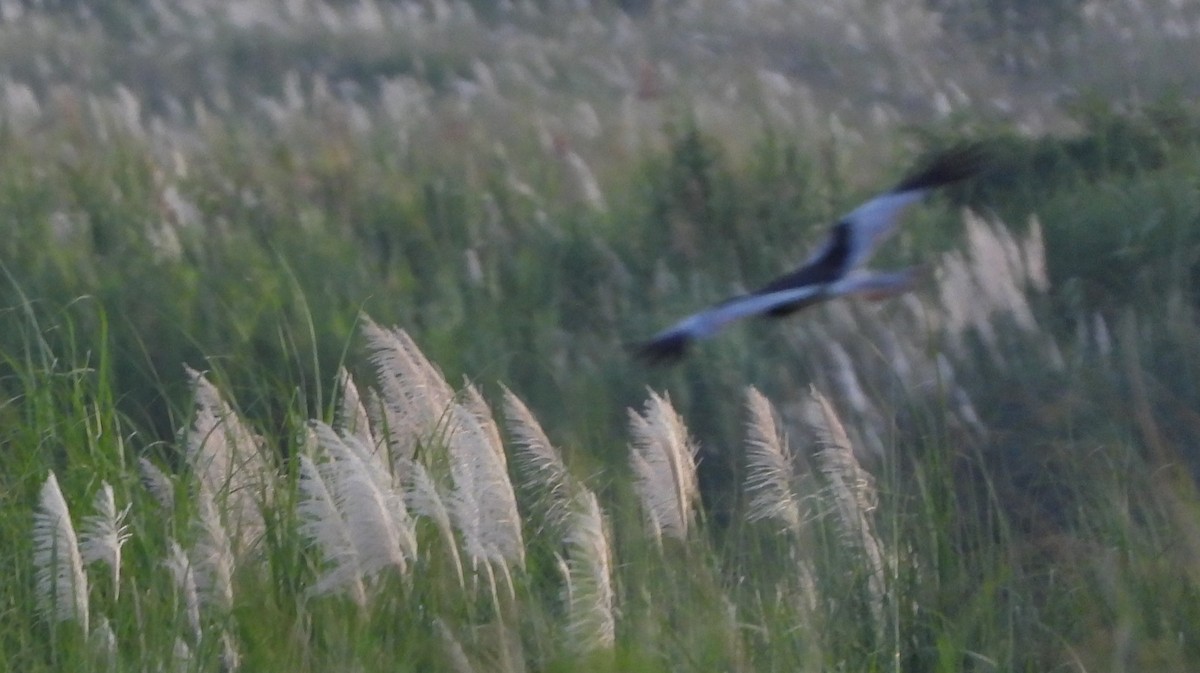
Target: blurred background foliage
528, 187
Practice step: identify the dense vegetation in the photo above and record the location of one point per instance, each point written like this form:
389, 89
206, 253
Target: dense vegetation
997, 472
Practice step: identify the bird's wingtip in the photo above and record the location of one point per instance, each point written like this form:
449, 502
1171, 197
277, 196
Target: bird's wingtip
663, 350
947, 166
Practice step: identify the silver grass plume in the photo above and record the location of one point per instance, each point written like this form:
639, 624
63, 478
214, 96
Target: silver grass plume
1000, 269
770, 466
539, 465
590, 597
1033, 249
459, 662
664, 464
230, 462
483, 504
181, 657
180, 566
422, 497
104, 643
372, 515
473, 401
158, 483
992, 277
321, 522
212, 553
231, 659
852, 491
62, 588
414, 395
352, 414
104, 533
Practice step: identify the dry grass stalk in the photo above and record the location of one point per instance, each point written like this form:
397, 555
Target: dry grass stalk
770, 466
62, 588
664, 464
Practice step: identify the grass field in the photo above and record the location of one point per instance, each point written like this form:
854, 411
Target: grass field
317, 314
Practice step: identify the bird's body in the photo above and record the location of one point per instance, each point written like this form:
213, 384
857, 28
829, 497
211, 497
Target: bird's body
831, 271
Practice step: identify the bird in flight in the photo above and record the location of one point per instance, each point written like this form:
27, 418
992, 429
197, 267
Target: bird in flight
832, 271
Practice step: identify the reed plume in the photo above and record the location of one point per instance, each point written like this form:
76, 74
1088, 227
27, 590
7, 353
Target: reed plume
663, 458
180, 567
322, 522
104, 533
352, 415
591, 624
353, 513
422, 497
770, 467
852, 491
414, 396
483, 504
62, 587
230, 464
540, 466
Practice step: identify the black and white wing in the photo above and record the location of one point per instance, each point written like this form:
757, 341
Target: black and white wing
827, 273
855, 237
673, 342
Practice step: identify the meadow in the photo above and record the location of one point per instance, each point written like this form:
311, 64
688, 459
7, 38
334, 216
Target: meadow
317, 318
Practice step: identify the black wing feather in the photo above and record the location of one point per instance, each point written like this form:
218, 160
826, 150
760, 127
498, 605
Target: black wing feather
957, 163
667, 349
827, 268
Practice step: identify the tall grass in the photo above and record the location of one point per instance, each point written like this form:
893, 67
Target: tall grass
213, 461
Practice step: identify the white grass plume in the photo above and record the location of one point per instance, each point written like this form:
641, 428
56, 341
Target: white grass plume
212, 553
853, 494
414, 395
664, 464
459, 662
770, 466
352, 415
158, 483
62, 587
104, 533
371, 514
181, 657
321, 522
422, 497
230, 461
103, 642
539, 464
992, 277
180, 566
473, 401
483, 504
590, 597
